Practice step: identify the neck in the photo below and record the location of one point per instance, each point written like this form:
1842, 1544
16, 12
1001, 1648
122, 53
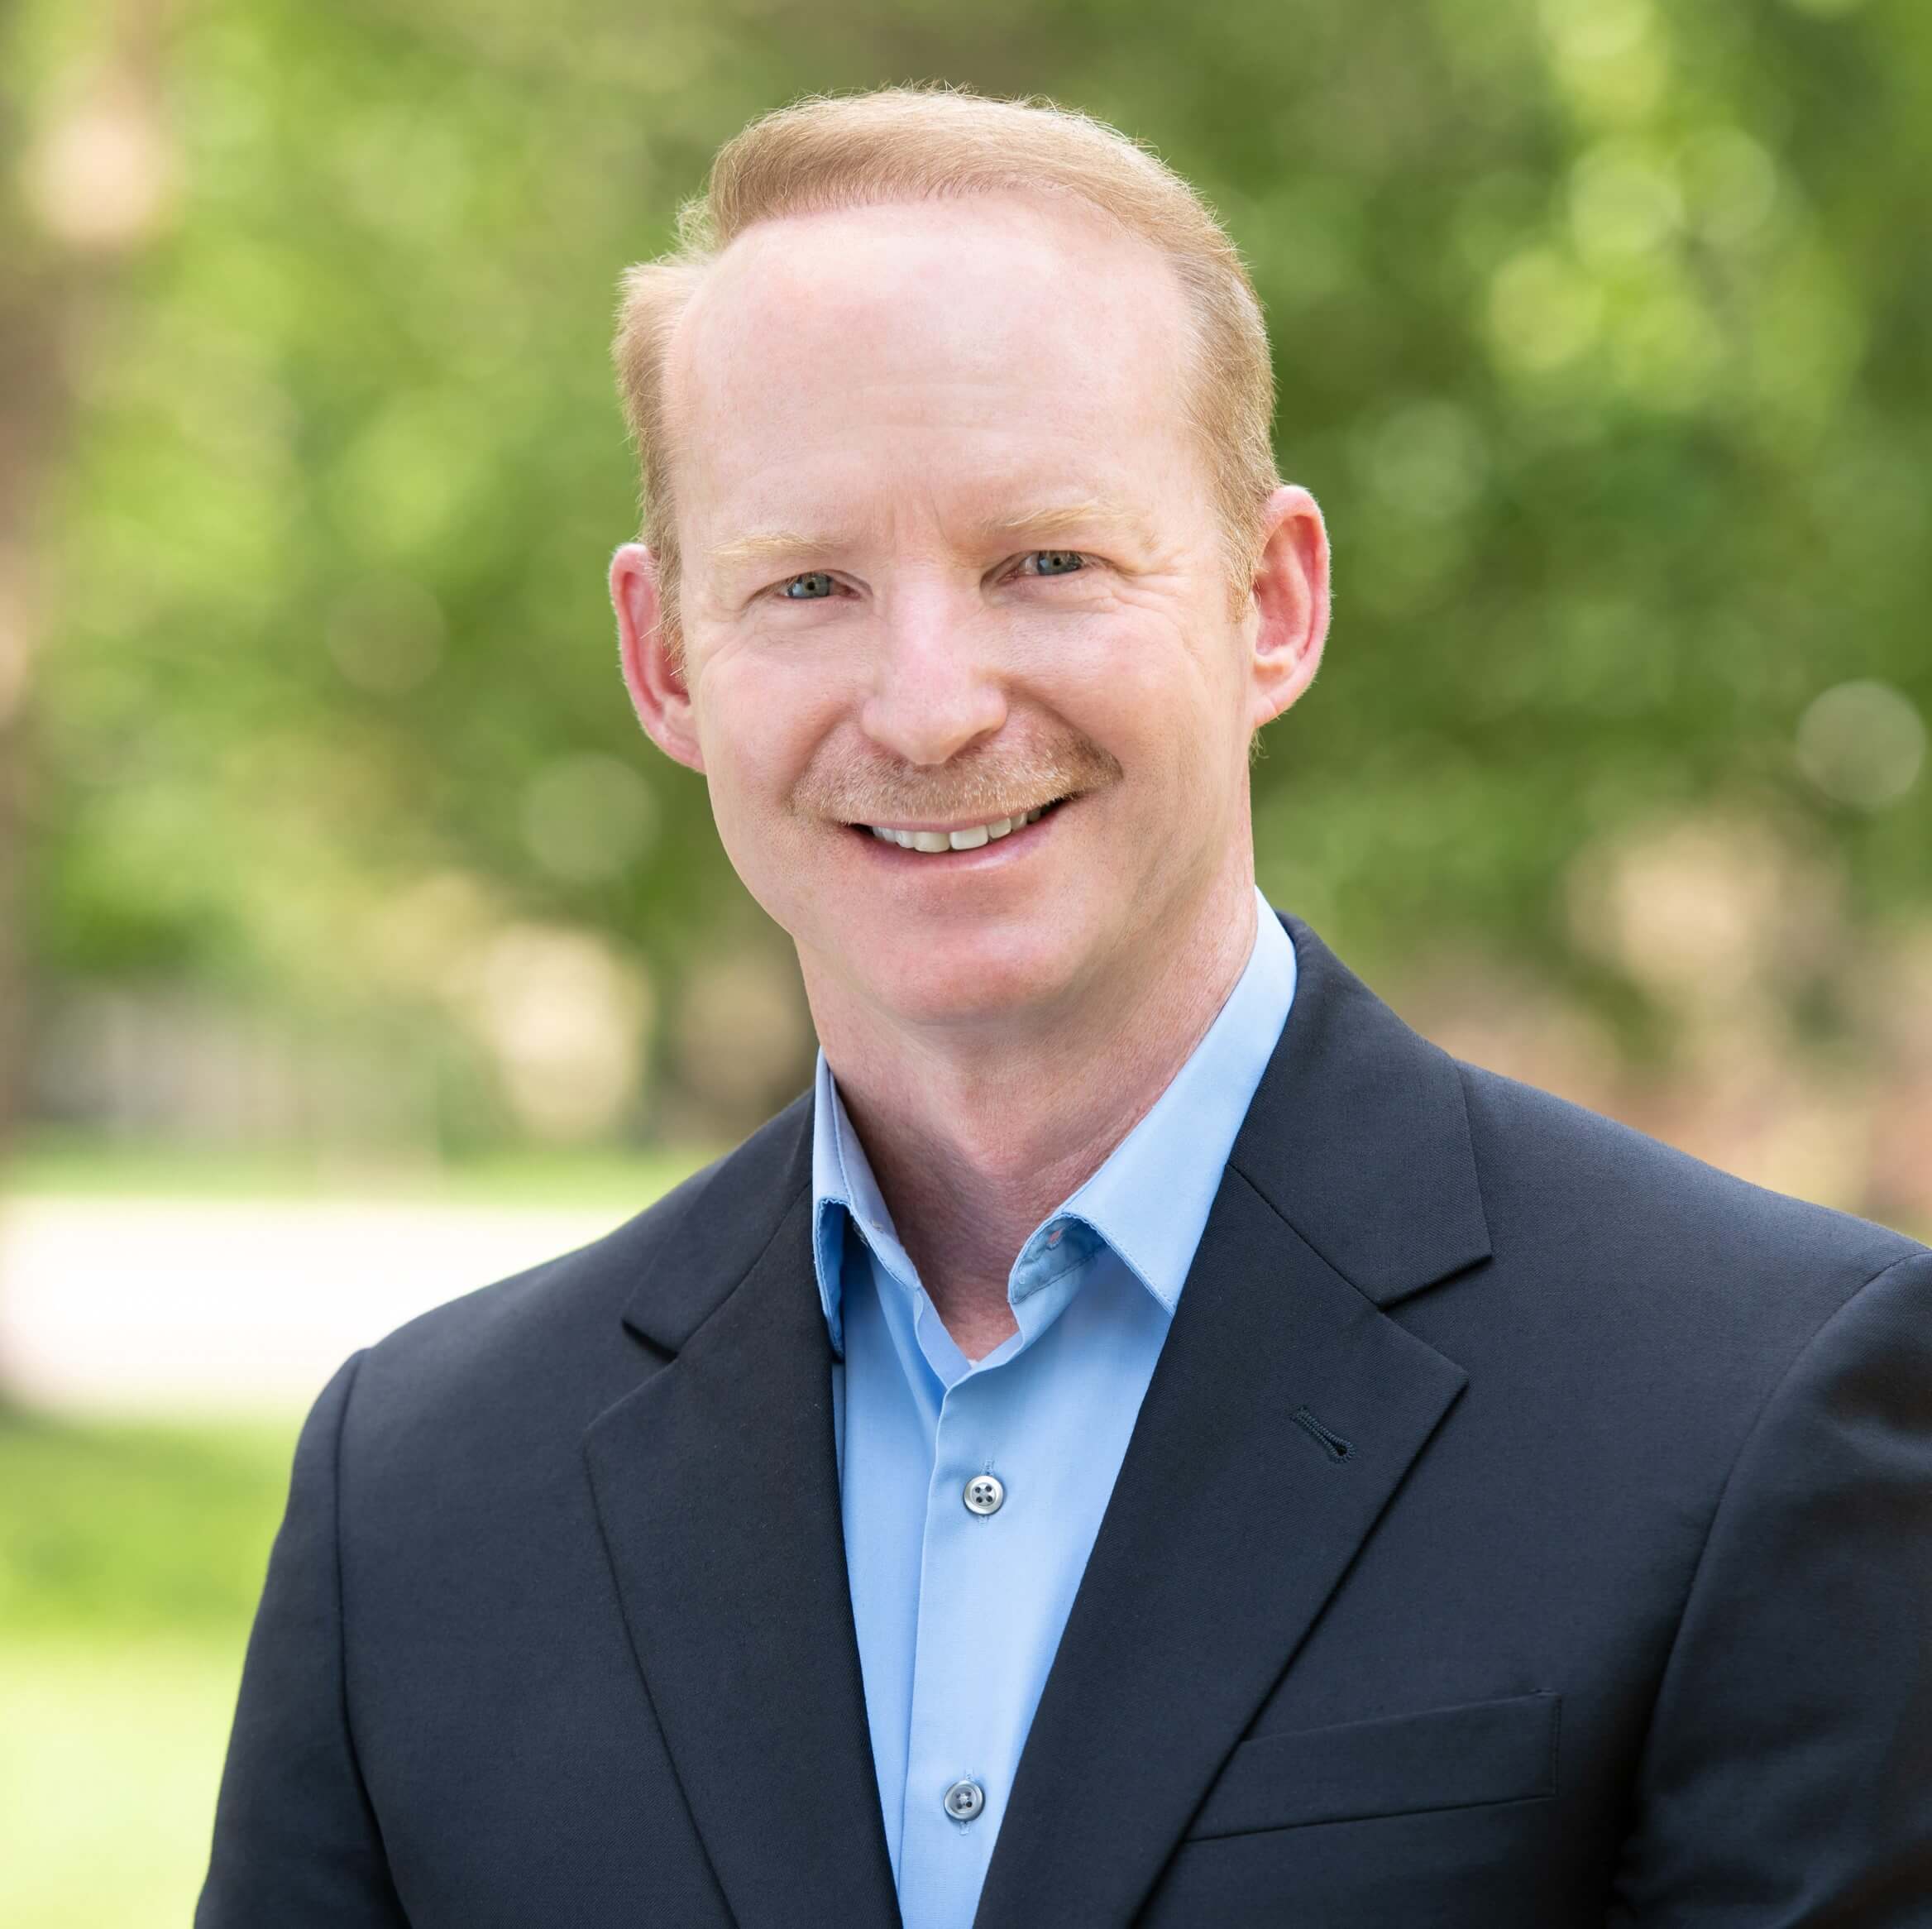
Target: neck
975, 1138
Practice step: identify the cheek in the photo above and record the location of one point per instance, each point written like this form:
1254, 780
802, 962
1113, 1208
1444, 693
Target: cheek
1168, 707
743, 723
759, 729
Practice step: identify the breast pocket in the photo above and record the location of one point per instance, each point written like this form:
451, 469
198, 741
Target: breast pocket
1459, 1757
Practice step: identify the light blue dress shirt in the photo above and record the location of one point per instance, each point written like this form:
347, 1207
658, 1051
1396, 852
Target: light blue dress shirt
958, 1613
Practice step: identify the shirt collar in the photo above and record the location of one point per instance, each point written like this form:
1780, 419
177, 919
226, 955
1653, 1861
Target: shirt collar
1149, 1200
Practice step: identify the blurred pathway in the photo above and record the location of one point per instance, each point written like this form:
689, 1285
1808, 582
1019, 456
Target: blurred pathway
171, 1307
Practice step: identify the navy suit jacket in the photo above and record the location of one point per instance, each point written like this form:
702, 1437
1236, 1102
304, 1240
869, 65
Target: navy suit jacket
1526, 1525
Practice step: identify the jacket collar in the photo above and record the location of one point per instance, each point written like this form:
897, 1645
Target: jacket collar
1357, 1136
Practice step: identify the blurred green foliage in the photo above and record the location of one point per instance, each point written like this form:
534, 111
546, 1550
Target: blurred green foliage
1600, 332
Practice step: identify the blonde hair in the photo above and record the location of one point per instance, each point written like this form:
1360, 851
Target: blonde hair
936, 140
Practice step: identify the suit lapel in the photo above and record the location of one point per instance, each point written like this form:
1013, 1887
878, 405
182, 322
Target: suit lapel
1232, 1519
717, 1487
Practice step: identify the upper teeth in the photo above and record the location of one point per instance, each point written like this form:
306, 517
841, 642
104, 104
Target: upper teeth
969, 840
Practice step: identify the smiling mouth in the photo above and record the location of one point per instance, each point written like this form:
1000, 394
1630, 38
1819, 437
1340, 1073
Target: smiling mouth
971, 837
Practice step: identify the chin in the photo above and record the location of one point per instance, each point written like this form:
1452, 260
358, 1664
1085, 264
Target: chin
961, 982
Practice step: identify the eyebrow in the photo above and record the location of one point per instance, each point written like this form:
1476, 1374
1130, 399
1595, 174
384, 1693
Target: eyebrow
769, 547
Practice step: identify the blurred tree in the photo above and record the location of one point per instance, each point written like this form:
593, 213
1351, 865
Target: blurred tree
1596, 334
84, 175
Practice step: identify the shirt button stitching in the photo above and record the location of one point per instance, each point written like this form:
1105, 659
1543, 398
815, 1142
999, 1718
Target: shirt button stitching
984, 1494
964, 1800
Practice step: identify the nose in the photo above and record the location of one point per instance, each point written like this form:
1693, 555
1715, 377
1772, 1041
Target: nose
935, 689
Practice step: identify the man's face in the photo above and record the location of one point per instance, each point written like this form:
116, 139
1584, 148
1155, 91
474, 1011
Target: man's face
949, 557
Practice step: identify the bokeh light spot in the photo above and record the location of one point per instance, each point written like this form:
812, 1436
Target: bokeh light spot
1861, 743
588, 817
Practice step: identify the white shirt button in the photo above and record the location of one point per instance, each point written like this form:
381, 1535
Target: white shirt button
964, 1800
985, 1493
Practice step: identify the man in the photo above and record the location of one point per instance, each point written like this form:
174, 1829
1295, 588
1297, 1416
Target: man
1147, 1437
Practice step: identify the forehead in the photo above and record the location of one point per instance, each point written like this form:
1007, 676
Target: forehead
985, 343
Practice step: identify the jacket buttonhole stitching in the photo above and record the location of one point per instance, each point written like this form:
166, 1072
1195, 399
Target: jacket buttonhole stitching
1331, 1443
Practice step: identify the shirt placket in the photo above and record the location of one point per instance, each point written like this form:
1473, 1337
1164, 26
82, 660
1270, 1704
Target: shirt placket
953, 1792
956, 1773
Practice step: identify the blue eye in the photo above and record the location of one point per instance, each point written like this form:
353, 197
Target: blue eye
815, 586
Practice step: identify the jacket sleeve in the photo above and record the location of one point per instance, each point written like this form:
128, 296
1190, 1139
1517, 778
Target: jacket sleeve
1787, 1777
295, 1840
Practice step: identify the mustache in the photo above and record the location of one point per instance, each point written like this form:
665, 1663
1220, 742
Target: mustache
857, 789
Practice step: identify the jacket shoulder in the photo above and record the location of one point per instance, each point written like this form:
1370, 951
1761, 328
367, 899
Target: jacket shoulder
556, 1327
1589, 1196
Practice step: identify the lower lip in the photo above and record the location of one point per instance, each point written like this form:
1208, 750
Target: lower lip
994, 851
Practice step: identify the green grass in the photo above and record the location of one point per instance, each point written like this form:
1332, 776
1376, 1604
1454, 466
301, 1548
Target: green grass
48, 1164
120, 1532
112, 1754
130, 1559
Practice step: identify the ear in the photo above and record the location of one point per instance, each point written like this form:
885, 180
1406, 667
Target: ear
1291, 601
654, 678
